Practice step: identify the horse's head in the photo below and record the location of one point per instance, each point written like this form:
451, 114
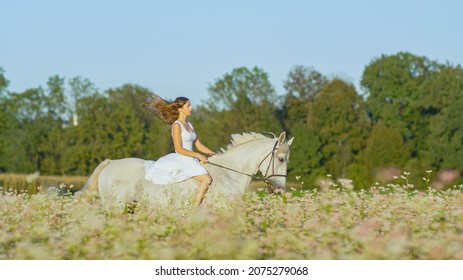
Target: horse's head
274, 166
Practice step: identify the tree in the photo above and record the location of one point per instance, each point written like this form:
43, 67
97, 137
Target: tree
79, 88
28, 127
385, 148
439, 106
114, 125
243, 100
131, 130
339, 118
89, 139
306, 156
56, 104
3, 81
57, 118
445, 142
5, 119
393, 85
302, 86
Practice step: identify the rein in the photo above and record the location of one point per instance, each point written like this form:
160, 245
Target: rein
264, 178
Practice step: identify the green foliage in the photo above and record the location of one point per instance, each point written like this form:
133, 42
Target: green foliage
5, 118
393, 85
27, 131
241, 86
410, 119
56, 134
306, 157
443, 105
114, 126
420, 98
302, 86
338, 116
56, 103
79, 88
89, 138
55, 142
445, 142
385, 149
241, 101
3, 81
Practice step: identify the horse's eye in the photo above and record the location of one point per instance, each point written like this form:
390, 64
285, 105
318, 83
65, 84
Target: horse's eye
281, 159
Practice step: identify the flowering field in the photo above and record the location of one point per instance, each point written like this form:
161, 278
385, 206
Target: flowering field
389, 222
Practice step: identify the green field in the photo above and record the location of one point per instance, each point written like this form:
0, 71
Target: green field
385, 222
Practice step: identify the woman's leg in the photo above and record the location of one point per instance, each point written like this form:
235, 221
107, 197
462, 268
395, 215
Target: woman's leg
204, 182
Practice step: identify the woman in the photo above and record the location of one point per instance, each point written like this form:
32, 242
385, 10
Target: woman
184, 163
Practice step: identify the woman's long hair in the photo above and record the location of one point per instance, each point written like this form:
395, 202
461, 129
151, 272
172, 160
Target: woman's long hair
164, 110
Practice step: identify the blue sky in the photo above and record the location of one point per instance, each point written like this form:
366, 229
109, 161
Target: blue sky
178, 48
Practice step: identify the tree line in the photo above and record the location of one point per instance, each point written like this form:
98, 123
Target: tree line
408, 117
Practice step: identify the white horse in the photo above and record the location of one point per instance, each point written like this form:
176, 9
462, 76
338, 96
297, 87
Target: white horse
121, 182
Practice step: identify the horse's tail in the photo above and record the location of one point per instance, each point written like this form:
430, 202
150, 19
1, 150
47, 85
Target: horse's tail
92, 183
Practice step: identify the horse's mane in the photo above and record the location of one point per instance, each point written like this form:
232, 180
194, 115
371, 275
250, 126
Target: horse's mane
240, 139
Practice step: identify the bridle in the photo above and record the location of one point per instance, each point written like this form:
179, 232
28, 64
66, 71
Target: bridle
265, 177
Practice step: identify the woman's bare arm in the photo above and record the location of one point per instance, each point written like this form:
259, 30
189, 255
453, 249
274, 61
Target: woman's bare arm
200, 146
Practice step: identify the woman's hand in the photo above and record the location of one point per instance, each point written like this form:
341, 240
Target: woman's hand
202, 158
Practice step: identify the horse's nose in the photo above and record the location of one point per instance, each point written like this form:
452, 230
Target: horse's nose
280, 190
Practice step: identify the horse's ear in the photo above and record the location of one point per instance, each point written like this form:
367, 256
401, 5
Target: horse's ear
290, 141
281, 138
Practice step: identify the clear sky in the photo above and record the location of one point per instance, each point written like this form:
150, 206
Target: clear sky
178, 48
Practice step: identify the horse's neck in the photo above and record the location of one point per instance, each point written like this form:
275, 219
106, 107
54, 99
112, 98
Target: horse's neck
244, 159
247, 157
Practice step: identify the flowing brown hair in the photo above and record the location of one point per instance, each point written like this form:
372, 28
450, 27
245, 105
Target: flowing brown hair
164, 110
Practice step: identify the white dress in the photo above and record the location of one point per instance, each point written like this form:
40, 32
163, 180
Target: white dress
174, 167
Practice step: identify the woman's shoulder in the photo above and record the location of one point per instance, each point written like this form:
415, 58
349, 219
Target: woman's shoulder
176, 124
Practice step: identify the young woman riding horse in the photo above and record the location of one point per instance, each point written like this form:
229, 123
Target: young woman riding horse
184, 163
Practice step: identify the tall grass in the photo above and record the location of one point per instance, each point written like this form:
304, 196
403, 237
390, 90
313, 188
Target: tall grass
34, 183
384, 222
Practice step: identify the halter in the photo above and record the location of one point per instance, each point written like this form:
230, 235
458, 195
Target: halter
264, 178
